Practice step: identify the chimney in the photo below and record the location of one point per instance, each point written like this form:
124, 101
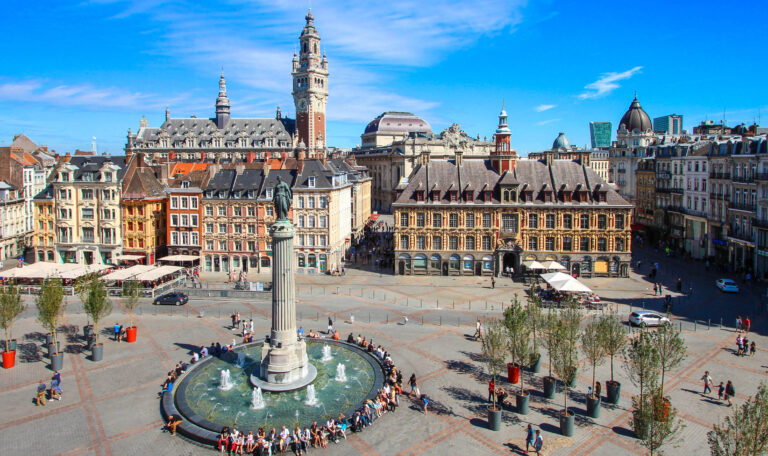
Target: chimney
140, 160
250, 157
459, 158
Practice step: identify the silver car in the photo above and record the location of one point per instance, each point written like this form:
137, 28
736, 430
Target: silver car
647, 318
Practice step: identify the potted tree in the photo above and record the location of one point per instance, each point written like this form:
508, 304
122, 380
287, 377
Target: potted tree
642, 365
131, 296
744, 433
516, 321
10, 308
567, 359
672, 351
594, 349
97, 306
549, 329
534, 322
614, 340
495, 355
659, 432
82, 287
49, 309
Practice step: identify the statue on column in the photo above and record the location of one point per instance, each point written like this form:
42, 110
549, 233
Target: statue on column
282, 199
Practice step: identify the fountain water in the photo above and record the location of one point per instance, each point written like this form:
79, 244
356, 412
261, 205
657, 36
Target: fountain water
257, 400
240, 360
341, 375
311, 399
225, 383
326, 354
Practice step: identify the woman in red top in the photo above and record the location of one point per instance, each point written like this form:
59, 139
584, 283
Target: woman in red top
491, 390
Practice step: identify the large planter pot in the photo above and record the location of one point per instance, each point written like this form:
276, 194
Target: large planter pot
572, 383
566, 423
549, 387
513, 372
613, 392
535, 366
130, 334
494, 419
593, 407
97, 352
87, 332
9, 359
640, 426
53, 348
522, 403
11, 347
57, 361
48, 339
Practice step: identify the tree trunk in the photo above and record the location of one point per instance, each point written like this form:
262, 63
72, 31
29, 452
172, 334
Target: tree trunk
593, 378
611, 368
565, 397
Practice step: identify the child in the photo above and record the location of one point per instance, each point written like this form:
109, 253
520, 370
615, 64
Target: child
720, 391
425, 401
752, 349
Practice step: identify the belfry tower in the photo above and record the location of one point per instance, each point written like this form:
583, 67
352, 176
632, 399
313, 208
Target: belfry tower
310, 90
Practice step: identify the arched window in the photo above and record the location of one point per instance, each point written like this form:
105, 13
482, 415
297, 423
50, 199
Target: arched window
454, 262
469, 262
434, 261
302, 262
305, 47
420, 261
619, 244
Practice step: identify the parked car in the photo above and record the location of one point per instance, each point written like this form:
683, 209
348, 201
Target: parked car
647, 318
171, 299
727, 285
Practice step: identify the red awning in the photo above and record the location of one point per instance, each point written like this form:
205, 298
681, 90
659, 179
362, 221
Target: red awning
637, 227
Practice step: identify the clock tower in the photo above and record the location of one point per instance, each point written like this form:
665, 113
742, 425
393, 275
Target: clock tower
310, 90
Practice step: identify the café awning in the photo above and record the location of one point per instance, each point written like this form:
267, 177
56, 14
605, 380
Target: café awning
174, 258
533, 264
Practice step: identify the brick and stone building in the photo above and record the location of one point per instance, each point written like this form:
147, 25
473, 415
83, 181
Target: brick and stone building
143, 210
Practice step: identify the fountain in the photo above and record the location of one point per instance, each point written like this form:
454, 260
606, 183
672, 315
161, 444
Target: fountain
225, 382
311, 399
341, 373
257, 400
240, 360
326, 354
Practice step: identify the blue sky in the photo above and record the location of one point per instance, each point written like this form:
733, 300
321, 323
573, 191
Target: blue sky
73, 70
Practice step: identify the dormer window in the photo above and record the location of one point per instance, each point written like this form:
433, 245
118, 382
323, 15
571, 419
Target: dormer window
453, 195
270, 192
420, 195
311, 182
469, 195
602, 196
65, 177
567, 196
107, 177
185, 185
487, 196
548, 196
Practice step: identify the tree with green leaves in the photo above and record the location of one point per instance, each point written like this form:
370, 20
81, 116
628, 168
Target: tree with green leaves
643, 368
745, 432
549, 333
495, 350
131, 294
82, 288
11, 307
670, 346
50, 306
534, 322
97, 305
566, 357
614, 336
592, 344
659, 431
519, 335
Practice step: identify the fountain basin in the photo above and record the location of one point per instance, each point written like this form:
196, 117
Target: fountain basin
206, 409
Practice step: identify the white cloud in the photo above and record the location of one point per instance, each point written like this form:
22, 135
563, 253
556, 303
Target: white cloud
81, 95
607, 83
544, 107
545, 122
366, 44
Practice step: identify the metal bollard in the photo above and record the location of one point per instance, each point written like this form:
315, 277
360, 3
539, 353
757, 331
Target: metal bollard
421, 303
721, 323
486, 305
317, 317
709, 324
387, 318
422, 320
681, 326
695, 325
369, 317
454, 304
470, 305
441, 320
458, 321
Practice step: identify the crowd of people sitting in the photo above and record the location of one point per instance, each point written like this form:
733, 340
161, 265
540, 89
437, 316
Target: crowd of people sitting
265, 442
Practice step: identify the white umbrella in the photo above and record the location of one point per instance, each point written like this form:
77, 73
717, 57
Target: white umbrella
553, 266
553, 278
533, 264
574, 286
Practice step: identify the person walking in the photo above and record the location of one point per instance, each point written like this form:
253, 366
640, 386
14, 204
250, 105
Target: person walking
40, 398
730, 391
530, 439
425, 402
738, 323
752, 349
414, 386
493, 282
539, 443
598, 389
477, 329
234, 320
661, 289
747, 324
655, 288
720, 391
330, 325
707, 382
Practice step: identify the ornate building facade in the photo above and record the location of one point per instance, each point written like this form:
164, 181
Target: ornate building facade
143, 210
44, 239
480, 216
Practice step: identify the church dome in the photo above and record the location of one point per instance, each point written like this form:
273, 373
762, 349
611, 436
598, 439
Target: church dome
561, 142
636, 119
397, 122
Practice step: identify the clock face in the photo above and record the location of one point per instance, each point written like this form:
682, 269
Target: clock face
302, 105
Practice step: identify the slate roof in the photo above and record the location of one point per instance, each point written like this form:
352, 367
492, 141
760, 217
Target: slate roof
287, 175
254, 129
140, 182
536, 175
93, 165
46, 194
